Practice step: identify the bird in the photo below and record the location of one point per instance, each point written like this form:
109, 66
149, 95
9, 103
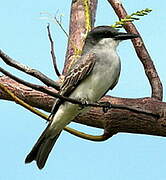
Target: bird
96, 72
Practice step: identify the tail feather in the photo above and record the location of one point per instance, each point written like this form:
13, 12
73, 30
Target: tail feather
42, 148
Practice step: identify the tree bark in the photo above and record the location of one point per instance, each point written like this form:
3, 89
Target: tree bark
114, 121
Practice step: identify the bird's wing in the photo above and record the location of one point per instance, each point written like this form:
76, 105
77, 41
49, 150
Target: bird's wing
79, 72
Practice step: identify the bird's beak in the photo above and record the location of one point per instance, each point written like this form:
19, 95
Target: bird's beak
125, 36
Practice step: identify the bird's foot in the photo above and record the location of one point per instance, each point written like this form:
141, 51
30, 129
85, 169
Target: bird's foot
105, 105
84, 102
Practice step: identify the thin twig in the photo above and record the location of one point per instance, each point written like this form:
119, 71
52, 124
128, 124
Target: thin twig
33, 72
52, 52
60, 25
99, 138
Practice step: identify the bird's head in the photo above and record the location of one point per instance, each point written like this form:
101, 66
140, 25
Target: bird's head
102, 35
101, 32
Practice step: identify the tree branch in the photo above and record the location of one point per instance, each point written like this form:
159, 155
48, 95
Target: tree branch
114, 121
33, 72
81, 17
142, 53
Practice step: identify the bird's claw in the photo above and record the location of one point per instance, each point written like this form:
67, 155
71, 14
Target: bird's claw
105, 105
84, 102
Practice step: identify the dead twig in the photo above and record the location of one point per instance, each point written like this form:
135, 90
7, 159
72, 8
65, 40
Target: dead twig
60, 25
52, 52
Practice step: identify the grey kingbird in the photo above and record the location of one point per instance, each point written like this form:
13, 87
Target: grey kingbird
94, 73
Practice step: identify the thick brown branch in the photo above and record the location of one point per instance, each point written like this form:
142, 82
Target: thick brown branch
27, 94
33, 72
78, 29
114, 121
149, 68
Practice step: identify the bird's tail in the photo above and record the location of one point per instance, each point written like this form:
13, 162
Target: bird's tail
42, 148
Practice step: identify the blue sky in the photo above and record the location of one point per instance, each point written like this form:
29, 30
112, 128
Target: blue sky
123, 157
